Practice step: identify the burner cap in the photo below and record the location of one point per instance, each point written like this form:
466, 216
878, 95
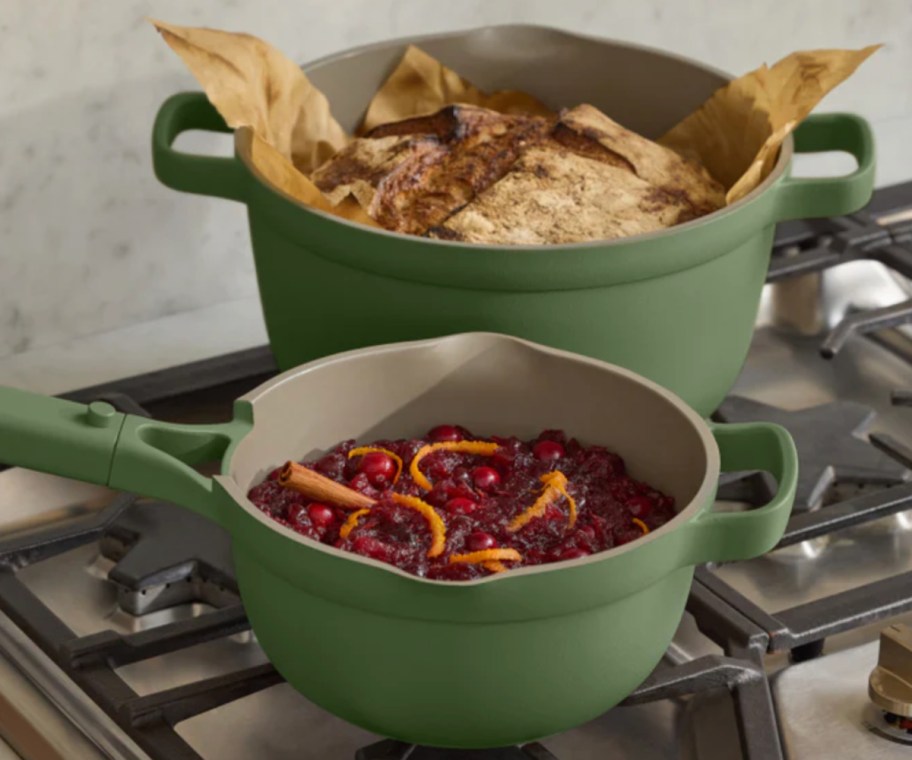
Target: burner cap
890, 684
887, 725
166, 555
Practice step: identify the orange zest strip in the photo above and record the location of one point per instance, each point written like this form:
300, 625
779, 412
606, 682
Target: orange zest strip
641, 525
487, 555
352, 522
483, 448
435, 523
360, 451
555, 485
558, 480
494, 566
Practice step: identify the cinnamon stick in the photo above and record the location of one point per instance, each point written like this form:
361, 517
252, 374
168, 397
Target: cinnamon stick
320, 488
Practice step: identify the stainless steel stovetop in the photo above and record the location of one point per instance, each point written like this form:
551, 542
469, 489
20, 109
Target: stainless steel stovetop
120, 639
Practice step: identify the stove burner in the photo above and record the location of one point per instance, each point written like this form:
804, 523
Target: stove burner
829, 449
393, 750
166, 555
887, 725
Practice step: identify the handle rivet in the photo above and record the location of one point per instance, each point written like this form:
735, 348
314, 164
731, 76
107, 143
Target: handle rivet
101, 414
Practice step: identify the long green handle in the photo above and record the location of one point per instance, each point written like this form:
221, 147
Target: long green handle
204, 175
729, 536
97, 444
801, 198
57, 436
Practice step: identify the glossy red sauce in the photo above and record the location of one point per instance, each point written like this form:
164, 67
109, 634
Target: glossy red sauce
477, 497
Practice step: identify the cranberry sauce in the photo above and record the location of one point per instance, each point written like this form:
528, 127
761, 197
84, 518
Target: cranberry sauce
480, 498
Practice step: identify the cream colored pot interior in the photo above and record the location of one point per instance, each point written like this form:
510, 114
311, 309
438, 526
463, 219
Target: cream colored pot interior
491, 384
645, 90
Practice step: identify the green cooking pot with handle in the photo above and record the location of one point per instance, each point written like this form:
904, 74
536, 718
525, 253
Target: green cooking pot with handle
485, 663
677, 306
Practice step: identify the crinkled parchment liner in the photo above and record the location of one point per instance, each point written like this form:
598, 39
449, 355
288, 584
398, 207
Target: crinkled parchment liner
736, 134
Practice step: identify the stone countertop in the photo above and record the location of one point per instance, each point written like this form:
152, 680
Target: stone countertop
145, 347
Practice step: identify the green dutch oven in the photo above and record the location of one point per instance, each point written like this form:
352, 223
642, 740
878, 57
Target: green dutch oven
677, 306
483, 663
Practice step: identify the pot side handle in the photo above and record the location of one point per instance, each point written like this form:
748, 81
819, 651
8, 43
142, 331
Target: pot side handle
731, 536
97, 444
800, 198
203, 175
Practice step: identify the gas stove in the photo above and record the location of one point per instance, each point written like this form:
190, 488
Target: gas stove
122, 634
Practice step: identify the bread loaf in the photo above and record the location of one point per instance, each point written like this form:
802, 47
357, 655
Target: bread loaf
470, 174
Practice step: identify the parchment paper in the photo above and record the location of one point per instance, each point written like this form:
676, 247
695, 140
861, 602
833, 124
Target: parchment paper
736, 134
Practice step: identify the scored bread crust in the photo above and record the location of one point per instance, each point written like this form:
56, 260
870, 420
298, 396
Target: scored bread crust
468, 173
556, 197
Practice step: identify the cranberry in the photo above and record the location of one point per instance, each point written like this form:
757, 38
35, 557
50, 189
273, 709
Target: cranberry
371, 547
574, 553
443, 433
332, 466
478, 541
639, 506
460, 505
320, 514
485, 477
477, 497
547, 451
360, 483
295, 512
379, 468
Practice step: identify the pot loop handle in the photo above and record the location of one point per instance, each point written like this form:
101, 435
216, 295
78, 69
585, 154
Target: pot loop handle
730, 536
804, 197
95, 443
203, 175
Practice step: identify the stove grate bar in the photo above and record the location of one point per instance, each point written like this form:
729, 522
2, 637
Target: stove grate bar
802, 629
784, 266
858, 510
738, 636
901, 397
19, 550
856, 607
745, 680
766, 622
757, 726
898, 258
894, 448
864, 322
116, 649
708, 672
847, 239
171, 706
160, 385
31, 615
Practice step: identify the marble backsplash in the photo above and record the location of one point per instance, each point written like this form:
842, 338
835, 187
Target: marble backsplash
90, 242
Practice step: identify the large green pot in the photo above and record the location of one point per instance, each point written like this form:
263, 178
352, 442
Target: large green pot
676, 306
484, 663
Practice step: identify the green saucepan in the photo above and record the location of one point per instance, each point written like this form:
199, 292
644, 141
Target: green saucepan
677, 306
484, 663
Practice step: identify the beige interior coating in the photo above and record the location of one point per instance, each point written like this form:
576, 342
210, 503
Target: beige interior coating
646, 90
492, 384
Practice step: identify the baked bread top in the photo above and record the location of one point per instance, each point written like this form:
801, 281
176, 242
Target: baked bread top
468, 173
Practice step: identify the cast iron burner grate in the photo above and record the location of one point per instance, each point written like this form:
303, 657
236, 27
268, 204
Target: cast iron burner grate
803, 629
875, 234
166, 555
830, 451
